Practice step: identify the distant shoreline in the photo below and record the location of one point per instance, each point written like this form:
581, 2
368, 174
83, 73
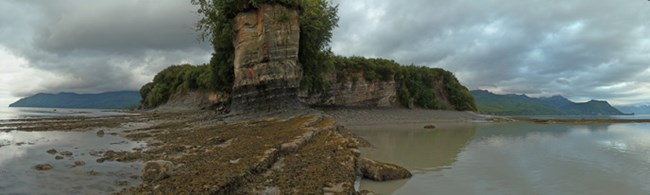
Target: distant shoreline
377, 116
579, 121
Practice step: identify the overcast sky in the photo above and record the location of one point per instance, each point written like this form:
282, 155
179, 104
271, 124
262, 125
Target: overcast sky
582, 49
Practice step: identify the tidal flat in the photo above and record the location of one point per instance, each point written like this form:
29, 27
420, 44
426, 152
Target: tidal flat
209, 154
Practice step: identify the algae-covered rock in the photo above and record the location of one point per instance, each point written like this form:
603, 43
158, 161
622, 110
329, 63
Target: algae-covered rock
51, 151
43, 167
380, 171
156, 170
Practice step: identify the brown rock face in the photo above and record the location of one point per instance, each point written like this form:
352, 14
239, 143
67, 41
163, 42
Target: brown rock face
354, 93
267, 73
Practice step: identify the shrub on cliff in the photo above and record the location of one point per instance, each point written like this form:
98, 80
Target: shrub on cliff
317, 20
173, 80
417, 85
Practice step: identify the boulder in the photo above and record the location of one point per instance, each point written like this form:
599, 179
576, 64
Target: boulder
380, 171
156, 170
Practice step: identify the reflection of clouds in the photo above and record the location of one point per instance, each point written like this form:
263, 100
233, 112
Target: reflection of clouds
5, 138
615, 145
8, 150
16, 163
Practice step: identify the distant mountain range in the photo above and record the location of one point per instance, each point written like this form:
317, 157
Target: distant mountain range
512, 104
108, 100
636, 109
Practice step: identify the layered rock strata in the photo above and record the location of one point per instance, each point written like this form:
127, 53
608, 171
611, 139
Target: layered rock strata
354, 93
267, 72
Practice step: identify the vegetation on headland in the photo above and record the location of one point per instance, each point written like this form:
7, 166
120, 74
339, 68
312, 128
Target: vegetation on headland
511, 104
418, 86
176, 79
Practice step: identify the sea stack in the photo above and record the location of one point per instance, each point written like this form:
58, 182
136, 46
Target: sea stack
267, 72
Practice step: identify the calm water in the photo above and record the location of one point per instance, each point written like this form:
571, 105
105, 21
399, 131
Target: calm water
21, 151
513, 158
637, 116
29, 113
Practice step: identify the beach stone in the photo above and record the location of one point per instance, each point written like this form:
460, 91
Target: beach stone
380, 171
93, 172
43, 167
57, 157
66, 153
429, 126
51, 151
79, 163
100, 133
156, 170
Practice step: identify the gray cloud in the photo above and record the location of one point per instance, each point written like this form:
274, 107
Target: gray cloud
93, 46
578, 48
583, 49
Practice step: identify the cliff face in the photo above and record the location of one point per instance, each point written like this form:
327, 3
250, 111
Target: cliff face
267, 73
354, 93
197, 100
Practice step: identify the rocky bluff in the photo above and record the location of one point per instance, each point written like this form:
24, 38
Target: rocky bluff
267, 73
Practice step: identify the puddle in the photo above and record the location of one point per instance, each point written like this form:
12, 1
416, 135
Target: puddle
21, 151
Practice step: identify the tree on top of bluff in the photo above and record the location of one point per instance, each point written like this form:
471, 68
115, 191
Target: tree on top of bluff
317, 20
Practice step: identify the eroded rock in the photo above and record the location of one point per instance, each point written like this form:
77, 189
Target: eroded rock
380, 171
267, 72
156, 170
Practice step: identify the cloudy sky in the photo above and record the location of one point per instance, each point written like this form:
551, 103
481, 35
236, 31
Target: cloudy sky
582, 49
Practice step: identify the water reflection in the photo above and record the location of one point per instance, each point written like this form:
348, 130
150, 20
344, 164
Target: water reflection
414, 148
427, 149
22, 150
514, 158
30, 113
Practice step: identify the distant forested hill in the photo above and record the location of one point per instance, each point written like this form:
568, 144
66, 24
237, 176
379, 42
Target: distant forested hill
512, 104
108, 100
636, 109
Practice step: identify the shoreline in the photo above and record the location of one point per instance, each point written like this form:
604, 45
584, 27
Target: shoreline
382, 116
259, 153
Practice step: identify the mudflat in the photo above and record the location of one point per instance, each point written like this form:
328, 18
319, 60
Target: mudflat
207, 153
